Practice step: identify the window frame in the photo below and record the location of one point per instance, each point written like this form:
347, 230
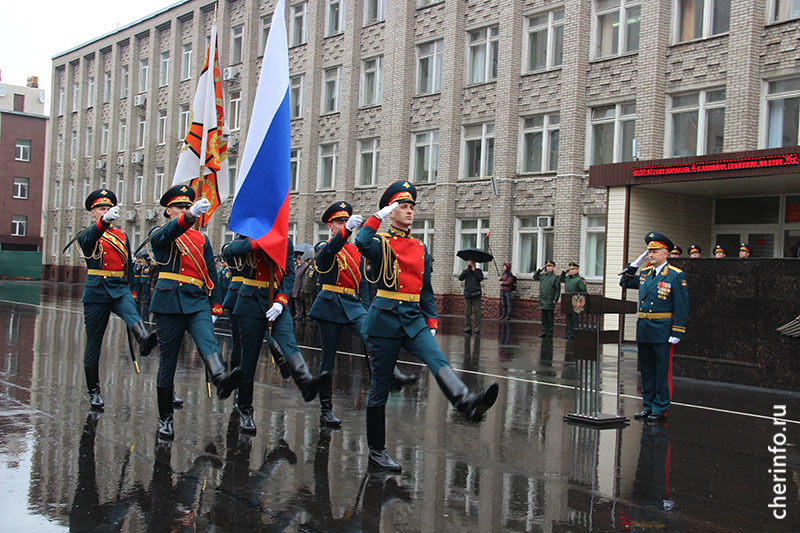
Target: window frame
144, 72
701, 108
89, 141
432, 146
22, 150
237, 44
621, 42
266, 26
435, 67
541, 237
334, 156
548, 128
371, 145
298, 12
163, 69
773, 6
485, 147
552, 26
21, 189
120, 190
90, 89
480, 231
161, 131
376, 72
122, 139
186, 61
491, 43
618, 132
295, 159
183, 117
124, 81
235, 110
296, 95
707, 22
380, 12
106, 87
329, 30
141, 131
19, 225
586, 231
158, 184
337, 91
767, 98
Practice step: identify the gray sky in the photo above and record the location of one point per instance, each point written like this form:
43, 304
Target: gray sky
36, 30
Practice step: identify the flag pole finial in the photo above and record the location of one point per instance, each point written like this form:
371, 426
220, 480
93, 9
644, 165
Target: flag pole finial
216, 5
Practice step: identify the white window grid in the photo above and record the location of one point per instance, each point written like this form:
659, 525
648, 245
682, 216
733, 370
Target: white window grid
321, 232
429, 67
19, 225
293, 231
186, 61
471, 234
372, 81
266, 25
330, 93
57, 194
124, 79
144, 68
60, 101
593, 249
424, 156
296, 157
623, 118
780, 10
22, 150
141, 131
296, 85
106, 87
542, 131
544, 30
89, 141
54, 247
426, 3
233, 172
483, 50
71, 193
138, 189
616, 26
328, 161
90, 92
423, 230
68, 253
184, 120
781, 121
162, 127
697, 19
700, 104
123, 135
163, 71
120, 192
478, 150
334, 17
234, 107
237, 37
104, 139
73, 145
60, 148
374, 11
299, 21
75, 96
158, 184
86, 186
369, 151
21, 188
528, 234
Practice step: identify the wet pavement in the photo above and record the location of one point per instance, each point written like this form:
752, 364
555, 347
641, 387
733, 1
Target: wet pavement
710, 468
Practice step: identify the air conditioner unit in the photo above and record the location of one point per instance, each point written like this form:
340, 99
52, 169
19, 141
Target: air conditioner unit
100, 163
150, 214
229, 74
130, 216
120, 160
140, 100
544, 222
137, 157
233, 145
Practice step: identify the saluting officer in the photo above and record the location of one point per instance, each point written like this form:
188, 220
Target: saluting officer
109, 286
549, 290
344, 298
255, 310
663, 313
185, 298
403, 315
573, 282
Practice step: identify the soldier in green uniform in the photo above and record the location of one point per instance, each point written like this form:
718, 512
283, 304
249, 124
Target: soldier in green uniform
745, 251
146, 279
573, 282
549, 290
695, 252
676, 251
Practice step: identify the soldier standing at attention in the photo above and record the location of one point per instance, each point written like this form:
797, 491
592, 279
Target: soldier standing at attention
343, 300
720, 252
663, 313
109, 287
745, 251
573, 282
403, 315
676, 251
549, 289
185, 298
695, 252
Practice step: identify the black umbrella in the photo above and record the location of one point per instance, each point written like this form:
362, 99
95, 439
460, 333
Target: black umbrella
302, 248
475, 254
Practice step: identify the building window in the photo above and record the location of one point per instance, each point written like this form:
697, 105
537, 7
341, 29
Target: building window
68, 253
21, 188
138, 189
593, 246
54, 248
60, 101
321, 232
478, 150
545, 34
784, 10
425, 156
60, 148
90, 92
86, 186
540, 143
533, 244
697, 19
22, 152
426, 3
297, 29
106, 87
158, 187
123, 135
783, 113
616, 27
233, 110
429, 67
328, 155
19, 225
141, 131
294, 168
123, 91
373, 11
266, 24
613, 130
144, 67
296, 96
104, 139
186, 61
698, 122
483, 50
237, 33
372, 81
73, 145
75, 96
369, 151
120, 188
162, 126
57, 193
184, 118
233, 173
293, 231
71, 193
469, 230
163, 71
423, 231
330, 94
89, 141
334, 17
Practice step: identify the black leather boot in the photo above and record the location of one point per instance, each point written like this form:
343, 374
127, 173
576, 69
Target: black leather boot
400, 380
147, 340
326, 416
279, 358
471, 405
177, 401
379, 458
309, 386
225, 382
246, 422
93, 385
165, 428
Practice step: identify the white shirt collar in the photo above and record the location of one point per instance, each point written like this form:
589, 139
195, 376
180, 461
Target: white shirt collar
660, 268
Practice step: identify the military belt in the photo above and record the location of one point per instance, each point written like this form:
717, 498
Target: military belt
183, 279
402, 296
336, 288
650, 316
240, 279
106, 273
256, 283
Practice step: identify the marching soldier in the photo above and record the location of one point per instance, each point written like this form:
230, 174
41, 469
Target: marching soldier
573, 282
663, 312
146, 280
235, 267
185, 298
695, 252
745, 251
255, 310
109, 286
136, 286
403, 314
549, 290
343, 300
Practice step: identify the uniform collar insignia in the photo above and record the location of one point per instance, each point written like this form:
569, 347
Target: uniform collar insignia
397, 232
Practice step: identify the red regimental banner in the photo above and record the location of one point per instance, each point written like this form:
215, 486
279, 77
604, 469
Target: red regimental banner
780, 160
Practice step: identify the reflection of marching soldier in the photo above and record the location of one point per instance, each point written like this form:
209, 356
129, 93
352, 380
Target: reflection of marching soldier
109, 282
403, 315
255, 310
185, 297
573, 282
343, 300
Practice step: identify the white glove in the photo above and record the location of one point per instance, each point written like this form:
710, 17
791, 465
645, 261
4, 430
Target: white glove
214, 319
433, 332
200, 206
274, 311
674, 340
383, 213
353, 222
111, 215
639, 260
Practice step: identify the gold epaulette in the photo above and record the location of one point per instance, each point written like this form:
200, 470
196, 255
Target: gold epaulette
675, 269
385, 234
646, 268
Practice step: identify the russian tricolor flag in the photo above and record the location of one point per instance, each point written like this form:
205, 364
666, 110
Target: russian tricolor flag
261, 204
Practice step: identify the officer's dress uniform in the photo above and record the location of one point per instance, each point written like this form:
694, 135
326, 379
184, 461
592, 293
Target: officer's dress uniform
549, 290
663, 313
573, 283
109, 285
250, 309
136, 286
402, 315
185, 297
144, 288
235, 266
